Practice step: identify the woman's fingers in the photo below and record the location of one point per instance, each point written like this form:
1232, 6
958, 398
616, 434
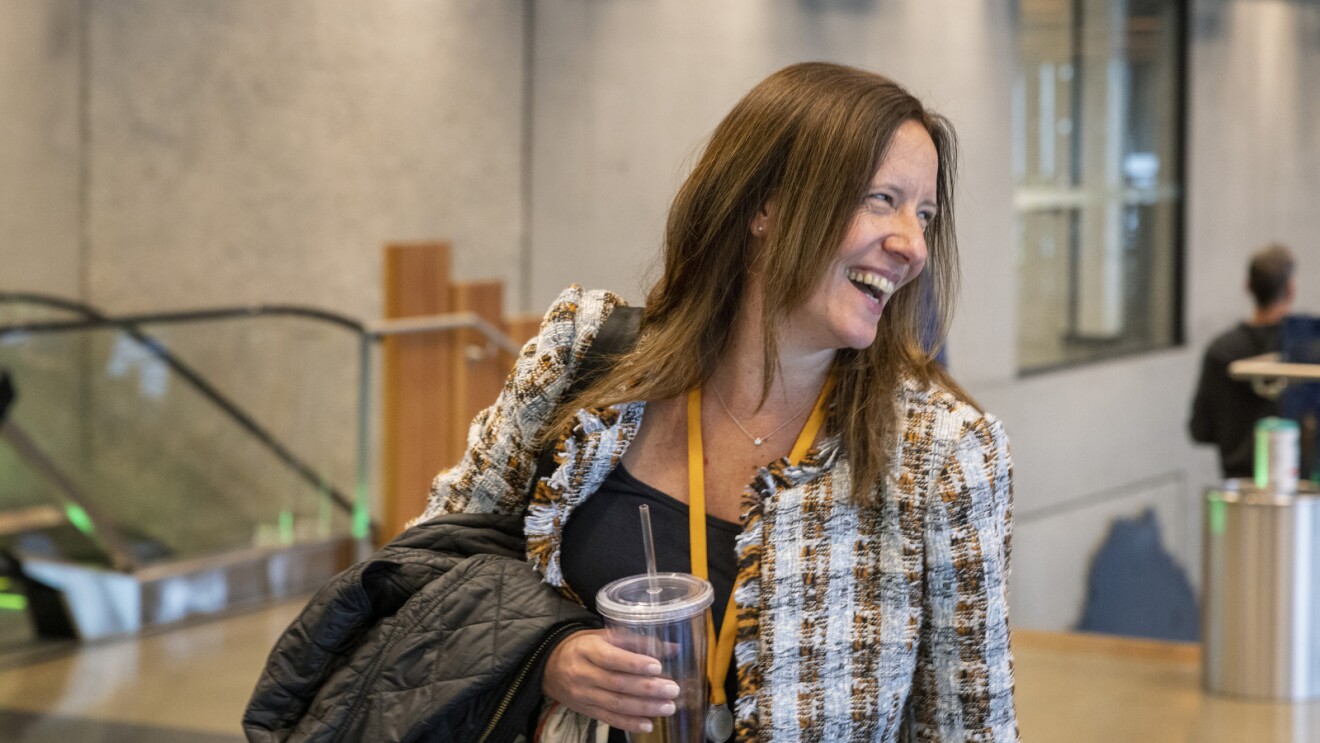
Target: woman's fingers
641, 644
622, 681
616, 686
629, 713
633, 660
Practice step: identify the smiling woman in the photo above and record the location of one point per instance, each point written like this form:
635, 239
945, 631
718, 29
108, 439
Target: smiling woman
846, 500
859, 566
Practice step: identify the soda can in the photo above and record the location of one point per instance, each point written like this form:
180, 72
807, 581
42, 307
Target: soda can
1277, 449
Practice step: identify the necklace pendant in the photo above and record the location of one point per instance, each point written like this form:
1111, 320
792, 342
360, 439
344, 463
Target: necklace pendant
758, 441
718, 726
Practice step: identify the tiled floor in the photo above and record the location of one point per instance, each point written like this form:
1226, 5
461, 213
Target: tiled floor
190, 685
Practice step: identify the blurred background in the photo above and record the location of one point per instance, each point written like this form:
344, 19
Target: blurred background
1121, 159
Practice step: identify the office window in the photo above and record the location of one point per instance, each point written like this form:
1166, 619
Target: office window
1097, 164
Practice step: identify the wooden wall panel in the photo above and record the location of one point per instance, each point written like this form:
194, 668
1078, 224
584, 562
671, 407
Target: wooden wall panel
480, 367
417, 406
434, 383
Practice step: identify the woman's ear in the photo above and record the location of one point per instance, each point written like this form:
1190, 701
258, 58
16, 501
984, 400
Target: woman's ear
764, 219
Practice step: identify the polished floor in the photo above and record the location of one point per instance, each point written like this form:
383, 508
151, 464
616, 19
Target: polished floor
190, 684
187, 684
1093, 688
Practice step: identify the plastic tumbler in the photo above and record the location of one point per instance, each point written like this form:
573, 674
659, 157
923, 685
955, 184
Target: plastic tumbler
664, 616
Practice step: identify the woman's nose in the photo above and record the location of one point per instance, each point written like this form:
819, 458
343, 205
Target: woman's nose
908, 238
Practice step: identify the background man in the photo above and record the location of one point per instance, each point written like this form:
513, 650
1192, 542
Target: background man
1225, 411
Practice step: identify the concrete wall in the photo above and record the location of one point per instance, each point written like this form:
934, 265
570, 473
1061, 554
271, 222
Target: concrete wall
40, 148
252, 151
245, 151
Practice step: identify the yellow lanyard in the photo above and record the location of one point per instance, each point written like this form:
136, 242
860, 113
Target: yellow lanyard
720, 649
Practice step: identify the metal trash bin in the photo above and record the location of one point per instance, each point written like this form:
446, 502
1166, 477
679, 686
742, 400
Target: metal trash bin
1261, 615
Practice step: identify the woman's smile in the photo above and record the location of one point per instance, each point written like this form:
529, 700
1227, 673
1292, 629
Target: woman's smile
872, 284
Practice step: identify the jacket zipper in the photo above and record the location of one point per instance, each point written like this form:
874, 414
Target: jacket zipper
518, 680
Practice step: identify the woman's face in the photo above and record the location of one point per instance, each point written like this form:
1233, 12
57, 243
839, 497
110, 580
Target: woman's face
884, 248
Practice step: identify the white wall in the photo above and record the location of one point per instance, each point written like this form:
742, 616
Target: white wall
1255, 139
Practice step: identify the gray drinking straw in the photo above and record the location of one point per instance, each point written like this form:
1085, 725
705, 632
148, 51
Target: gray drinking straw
648, 544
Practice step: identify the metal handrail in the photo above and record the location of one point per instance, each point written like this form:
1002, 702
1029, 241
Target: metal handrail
95, 319
376, 331
446, 322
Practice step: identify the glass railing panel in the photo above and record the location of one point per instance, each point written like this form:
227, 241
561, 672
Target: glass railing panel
157, 430
296, 378
22, 488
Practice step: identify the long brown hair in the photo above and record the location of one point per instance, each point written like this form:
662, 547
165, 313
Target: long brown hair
812, 136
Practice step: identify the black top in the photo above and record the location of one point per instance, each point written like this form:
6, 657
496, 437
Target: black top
603, 542
1225, 411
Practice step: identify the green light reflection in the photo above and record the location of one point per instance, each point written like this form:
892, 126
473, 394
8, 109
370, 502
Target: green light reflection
1217, 512
79, 518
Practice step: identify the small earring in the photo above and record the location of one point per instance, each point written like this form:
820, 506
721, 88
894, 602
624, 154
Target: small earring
760, 228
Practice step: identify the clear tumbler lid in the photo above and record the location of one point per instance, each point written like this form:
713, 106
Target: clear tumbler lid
634, 600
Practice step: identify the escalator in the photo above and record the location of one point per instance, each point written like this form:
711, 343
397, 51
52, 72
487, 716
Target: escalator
158, 468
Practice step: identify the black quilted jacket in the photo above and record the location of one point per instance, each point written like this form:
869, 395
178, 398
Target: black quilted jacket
440, 636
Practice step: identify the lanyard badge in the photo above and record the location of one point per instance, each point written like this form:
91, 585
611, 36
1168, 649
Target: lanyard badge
718, 725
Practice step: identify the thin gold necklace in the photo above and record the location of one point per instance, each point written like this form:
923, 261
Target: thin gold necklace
757, 440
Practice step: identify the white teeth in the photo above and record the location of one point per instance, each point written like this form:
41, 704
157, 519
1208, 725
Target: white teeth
881, 284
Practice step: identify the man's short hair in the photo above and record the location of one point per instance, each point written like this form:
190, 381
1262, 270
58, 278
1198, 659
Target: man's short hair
1267, 276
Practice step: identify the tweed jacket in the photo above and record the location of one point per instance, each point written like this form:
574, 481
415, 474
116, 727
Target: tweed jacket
854, 624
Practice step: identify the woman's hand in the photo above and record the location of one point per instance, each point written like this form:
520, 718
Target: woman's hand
620, 688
